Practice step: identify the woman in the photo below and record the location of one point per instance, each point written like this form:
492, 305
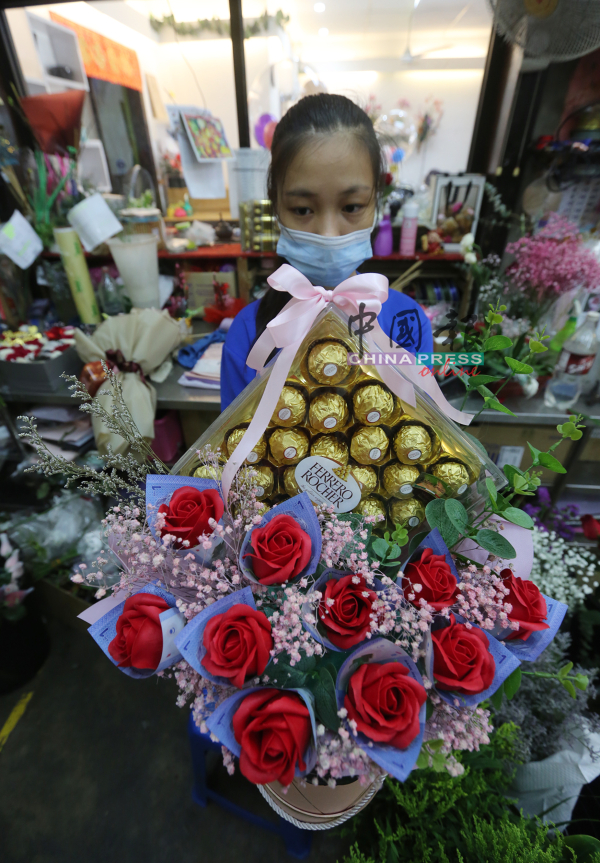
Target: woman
324, 181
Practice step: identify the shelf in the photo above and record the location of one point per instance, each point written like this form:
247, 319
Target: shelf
65, 83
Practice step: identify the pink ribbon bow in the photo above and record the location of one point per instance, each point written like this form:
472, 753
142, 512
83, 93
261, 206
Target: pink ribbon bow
291, 326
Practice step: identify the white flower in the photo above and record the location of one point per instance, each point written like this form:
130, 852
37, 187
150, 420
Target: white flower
5, 546
470, 258
466, 244
559, 567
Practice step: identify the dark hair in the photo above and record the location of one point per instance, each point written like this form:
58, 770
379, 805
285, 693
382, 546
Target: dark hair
323, 114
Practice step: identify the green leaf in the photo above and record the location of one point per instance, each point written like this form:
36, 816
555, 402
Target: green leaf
416, 541
497, 343
497, 697
285, 676
563, 672
581, 681
457, 515
512, 683
568, 685
566, 428
429, 708
485, 393
585, 848
576, 435
422, 760
495, 405
536, 347
435, 512
518, 367
476, 380
520, 483
380, 547
535, 453
322, 687
510, 471
495, 544
547, 460
489, 483
394, 552
517, 516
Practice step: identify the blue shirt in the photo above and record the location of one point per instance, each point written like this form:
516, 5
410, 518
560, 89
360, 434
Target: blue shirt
401, 318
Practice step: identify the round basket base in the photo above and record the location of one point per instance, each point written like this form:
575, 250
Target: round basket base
319, 807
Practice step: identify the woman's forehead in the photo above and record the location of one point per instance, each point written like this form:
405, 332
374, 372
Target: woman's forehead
338, 164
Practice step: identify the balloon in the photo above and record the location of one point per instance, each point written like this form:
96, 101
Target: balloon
259, 128
397, 128
398, 155
268, 133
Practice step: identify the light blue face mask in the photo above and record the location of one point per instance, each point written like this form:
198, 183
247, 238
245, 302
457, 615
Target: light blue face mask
326, 261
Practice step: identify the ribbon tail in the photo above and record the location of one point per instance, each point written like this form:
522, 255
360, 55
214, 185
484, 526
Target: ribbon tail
261, 418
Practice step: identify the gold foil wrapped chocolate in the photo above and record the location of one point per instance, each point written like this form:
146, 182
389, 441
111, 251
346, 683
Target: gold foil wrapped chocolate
328, 362
366, 477
331, 446
288, 446
204, 472
413, 444
452, 472
369, 445
371, 506
399, 478
259, 451
408, 511
328, 412
291, 408
373, 404
289, 481
264, 481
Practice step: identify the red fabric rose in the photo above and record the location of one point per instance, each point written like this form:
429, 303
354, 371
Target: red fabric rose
281, 550
189, 511
528, 605
345, 610
591, 527
439, 587
238, 644
462, 661
139, 642
273, 729
385, 702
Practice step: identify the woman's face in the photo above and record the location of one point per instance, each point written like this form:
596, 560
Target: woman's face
329, 187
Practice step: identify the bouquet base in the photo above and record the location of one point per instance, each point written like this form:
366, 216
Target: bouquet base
319, 807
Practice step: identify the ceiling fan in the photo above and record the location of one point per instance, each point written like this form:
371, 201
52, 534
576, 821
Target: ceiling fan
408, 57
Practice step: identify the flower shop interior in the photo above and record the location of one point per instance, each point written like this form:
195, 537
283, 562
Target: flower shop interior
328, 463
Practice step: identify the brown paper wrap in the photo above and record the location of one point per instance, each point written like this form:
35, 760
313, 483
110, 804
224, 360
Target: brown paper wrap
259, 451
328, 412
409, 511
288, 446
373, 404
369, 445
291, 408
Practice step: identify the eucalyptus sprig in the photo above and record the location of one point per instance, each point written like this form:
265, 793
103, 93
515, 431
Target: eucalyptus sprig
570, 682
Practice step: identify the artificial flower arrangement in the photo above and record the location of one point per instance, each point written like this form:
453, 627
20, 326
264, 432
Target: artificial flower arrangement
28, 343
316, 637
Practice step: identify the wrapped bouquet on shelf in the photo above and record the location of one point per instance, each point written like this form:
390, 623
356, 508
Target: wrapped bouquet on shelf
331, 574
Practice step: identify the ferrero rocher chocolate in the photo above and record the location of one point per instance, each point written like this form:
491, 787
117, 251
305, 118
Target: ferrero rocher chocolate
264, 481
373, 404
371, 506
290, 409
331, 446
288, 446
413, 444
259, 451
204, 472
409, 512
366, 477
289, 481
328, 362
369, 445
454, 473
399, 478
327, 412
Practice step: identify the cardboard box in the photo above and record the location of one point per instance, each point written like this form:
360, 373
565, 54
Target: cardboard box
36, 377
201, 291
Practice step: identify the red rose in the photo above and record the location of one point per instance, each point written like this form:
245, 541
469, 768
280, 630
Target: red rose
281, 550
139, 642
591, 527
188, 514
439, 587
345, 610
385, 703
462, 661
238, 644
528, 605
273, 729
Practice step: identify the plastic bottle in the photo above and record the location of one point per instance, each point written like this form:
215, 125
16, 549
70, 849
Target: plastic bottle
384, 243
410, 221
574, 363
110, 294
565, 333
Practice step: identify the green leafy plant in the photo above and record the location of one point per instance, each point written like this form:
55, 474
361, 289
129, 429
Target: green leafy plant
387, 549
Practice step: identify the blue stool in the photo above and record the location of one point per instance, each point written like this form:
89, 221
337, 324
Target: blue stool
297, 841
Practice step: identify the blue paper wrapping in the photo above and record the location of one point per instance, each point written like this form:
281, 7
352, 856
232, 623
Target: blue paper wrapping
302, 510
537, 642
189, 640
397, 762
105, 629
221, 723
434, 541
307, 608
159, 490
504, 661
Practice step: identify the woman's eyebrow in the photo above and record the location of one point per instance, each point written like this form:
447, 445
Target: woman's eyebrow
351, 190
300, 193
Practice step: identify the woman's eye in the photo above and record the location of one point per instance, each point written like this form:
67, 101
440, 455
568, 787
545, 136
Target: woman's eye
302, 211
353, 208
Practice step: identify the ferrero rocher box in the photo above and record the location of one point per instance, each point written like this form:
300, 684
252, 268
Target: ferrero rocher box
339, 433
